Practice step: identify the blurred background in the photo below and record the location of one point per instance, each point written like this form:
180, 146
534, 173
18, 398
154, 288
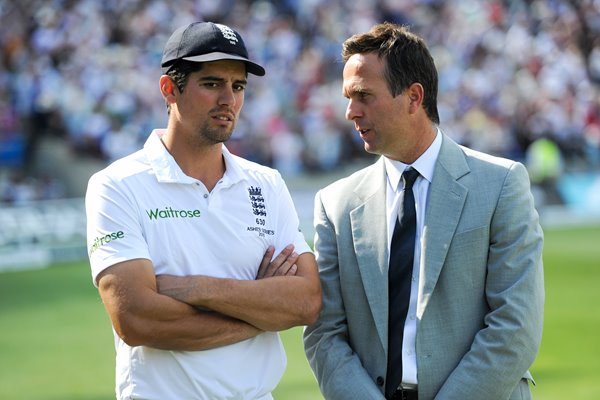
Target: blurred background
79, 89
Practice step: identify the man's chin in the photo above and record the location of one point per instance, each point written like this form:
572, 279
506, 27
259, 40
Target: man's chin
218, 136
369, 148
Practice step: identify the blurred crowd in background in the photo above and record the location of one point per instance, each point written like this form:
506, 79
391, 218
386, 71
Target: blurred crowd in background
518, 78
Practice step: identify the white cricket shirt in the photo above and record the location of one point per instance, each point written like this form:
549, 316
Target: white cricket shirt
144, 206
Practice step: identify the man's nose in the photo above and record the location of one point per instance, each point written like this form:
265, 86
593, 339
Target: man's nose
352, 110
227, 96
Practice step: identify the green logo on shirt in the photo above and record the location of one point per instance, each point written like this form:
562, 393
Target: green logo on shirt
169, 212
102, 240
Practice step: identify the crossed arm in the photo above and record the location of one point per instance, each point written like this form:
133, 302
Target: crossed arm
200, 312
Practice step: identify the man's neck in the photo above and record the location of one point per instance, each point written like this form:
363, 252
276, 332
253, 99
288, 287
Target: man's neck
205, 164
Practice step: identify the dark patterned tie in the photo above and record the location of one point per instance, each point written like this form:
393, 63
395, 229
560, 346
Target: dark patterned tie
402, 252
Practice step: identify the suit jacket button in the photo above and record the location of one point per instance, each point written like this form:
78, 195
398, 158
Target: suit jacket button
380, 381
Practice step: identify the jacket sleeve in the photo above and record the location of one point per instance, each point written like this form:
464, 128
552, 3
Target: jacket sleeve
336, 366
506, 346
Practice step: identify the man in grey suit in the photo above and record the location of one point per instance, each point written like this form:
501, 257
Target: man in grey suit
474, 311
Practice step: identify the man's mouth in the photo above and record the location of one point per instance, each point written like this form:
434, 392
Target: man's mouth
223, 117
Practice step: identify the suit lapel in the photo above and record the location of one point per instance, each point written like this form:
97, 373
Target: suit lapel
369, 232
445, 204
446, 200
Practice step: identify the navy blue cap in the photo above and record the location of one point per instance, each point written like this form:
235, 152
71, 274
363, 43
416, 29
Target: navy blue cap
207, 41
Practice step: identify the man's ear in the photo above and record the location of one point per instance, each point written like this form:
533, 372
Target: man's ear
415, 94
168, 89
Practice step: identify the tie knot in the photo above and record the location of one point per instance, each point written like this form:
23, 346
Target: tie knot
409, 176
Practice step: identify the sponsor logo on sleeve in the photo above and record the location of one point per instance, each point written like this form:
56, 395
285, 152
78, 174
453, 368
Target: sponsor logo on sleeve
100, 241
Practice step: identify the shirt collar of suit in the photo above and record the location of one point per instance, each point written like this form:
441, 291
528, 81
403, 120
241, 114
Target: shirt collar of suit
425, 164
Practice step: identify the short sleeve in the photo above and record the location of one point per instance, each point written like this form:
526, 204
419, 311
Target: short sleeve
114, 232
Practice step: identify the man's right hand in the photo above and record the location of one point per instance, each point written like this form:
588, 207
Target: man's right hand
282, 265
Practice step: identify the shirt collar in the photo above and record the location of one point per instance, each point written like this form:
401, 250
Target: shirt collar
425, 164
167, 170
233, 172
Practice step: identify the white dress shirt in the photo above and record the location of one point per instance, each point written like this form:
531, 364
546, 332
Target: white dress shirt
394, 169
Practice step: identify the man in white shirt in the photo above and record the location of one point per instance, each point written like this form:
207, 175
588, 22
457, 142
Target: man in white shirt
181, 239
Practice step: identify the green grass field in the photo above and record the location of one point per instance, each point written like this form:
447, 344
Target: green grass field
56, 342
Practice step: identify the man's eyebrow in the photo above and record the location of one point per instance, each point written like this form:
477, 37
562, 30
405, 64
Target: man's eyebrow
353, 90
209, 78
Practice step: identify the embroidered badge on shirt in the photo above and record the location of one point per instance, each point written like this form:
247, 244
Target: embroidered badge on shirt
257, 201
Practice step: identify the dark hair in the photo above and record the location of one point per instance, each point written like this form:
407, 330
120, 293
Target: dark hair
407, 60
180, 73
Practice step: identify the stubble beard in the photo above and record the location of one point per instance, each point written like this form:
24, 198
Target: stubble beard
208, 135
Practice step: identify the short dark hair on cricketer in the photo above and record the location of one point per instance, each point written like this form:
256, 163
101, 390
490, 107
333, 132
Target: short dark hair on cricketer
180, 73
407, 60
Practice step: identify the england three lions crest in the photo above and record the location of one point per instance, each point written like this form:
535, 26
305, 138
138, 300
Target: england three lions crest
257, 201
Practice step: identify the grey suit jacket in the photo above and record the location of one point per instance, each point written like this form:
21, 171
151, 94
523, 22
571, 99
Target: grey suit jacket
481, 295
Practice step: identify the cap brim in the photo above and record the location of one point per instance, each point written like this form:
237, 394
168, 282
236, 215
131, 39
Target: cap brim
251, 67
